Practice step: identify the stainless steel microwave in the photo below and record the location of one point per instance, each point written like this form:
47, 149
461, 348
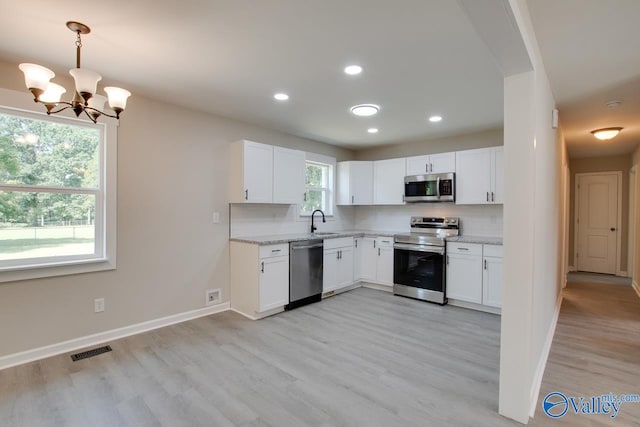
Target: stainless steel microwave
439, 187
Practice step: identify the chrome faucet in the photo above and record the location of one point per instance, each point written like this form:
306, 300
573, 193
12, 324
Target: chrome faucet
314, 228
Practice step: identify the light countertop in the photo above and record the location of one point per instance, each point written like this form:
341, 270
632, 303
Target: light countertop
286, 238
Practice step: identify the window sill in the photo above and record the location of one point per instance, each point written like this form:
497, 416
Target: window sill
38, 271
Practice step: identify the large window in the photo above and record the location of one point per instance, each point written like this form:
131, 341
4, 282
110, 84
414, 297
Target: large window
319, 188
52, 194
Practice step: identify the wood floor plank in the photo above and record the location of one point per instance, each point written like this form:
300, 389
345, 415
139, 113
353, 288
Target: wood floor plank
361, 358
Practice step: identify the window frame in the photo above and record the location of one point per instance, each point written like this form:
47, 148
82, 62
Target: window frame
104, 256
330, 190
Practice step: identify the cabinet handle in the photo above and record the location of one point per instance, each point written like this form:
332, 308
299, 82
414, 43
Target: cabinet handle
356, 242
262, 267
337, 254
463, 249
430, 167
378, 251
246, 194
487, 196
385, 241
426, 167
493, 199
447, 259
352, 198
305, 196
485, 264
275, 250
374, 244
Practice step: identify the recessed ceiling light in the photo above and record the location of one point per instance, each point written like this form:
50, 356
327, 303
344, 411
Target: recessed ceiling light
365, 110
372, 130
353, 70
435, 119
614, 104
606, 133
281, 96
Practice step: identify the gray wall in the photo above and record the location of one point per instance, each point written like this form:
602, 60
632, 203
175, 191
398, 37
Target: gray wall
489, 138
172, 174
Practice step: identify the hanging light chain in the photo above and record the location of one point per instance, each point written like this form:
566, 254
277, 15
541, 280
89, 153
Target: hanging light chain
78, 48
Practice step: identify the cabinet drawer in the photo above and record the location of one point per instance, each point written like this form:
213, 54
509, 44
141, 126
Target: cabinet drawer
493, 250
339, 242
274, 250
464, 248
384, 242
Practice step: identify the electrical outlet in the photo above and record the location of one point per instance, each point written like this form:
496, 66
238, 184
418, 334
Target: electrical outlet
98, 305
216, 217
212, 296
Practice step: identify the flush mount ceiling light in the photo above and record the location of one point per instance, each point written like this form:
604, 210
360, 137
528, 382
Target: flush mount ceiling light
365, 110
281, 96
372, 130
606, 133
435, 119
353, 70
85, 99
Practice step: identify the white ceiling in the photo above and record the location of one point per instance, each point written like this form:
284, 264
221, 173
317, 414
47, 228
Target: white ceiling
229, 57
591, 52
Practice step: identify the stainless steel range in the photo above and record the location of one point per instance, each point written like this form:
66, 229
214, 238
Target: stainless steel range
419, 269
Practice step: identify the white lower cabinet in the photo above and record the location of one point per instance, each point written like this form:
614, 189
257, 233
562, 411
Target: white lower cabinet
259, 278
474, 273
376, 260
338, 264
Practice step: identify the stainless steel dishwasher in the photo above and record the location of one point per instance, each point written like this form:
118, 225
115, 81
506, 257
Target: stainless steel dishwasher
305, 272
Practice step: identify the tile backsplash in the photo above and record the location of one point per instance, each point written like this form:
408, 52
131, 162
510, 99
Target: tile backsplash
260, 220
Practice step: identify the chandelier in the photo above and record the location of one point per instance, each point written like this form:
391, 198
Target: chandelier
85, 99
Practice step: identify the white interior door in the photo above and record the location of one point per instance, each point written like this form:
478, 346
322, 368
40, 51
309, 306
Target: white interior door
597, 222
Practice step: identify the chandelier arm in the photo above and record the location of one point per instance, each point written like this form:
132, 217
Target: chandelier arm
67, 105
102, 113
94, 120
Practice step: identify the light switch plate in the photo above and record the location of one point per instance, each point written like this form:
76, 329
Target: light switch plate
216, 217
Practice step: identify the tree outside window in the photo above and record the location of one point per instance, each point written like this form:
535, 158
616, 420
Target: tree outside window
319, 188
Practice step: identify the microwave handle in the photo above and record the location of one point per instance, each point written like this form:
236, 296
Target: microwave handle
438, 187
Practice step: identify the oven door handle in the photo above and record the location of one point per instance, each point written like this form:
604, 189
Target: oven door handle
420, 248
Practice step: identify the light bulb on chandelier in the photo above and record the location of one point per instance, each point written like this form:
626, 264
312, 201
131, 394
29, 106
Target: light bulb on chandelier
86, 100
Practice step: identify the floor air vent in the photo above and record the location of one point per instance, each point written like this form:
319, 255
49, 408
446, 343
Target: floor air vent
90, 353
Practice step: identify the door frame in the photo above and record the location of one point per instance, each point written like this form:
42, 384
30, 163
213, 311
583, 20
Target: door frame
576, 210
633, 219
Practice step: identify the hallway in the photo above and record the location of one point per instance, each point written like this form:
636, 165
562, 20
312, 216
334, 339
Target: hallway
596, 349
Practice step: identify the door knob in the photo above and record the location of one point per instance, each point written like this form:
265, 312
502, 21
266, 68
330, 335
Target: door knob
613, 229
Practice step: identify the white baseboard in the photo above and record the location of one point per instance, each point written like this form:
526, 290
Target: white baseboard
474, 306
623, 274
101, 337
636, 287
542, 363
571, 268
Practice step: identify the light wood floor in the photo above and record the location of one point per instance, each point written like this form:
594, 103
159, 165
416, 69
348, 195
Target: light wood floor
596, 350
363, 358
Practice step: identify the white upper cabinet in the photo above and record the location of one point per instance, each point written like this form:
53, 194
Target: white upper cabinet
355, 183
433, 163
288, 175
479, 176
388, 181
251, 173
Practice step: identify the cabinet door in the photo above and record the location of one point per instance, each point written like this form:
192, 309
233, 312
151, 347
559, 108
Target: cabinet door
473, 177
442, 162
418, 165
388, 181
330, 270
345, 267
497, 179
288, 175
361, 183
369, 259
464, 278
274, 282
357, 259
258, 172
385, 266
492, 282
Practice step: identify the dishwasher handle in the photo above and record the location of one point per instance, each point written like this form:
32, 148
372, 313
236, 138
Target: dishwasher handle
318, 245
